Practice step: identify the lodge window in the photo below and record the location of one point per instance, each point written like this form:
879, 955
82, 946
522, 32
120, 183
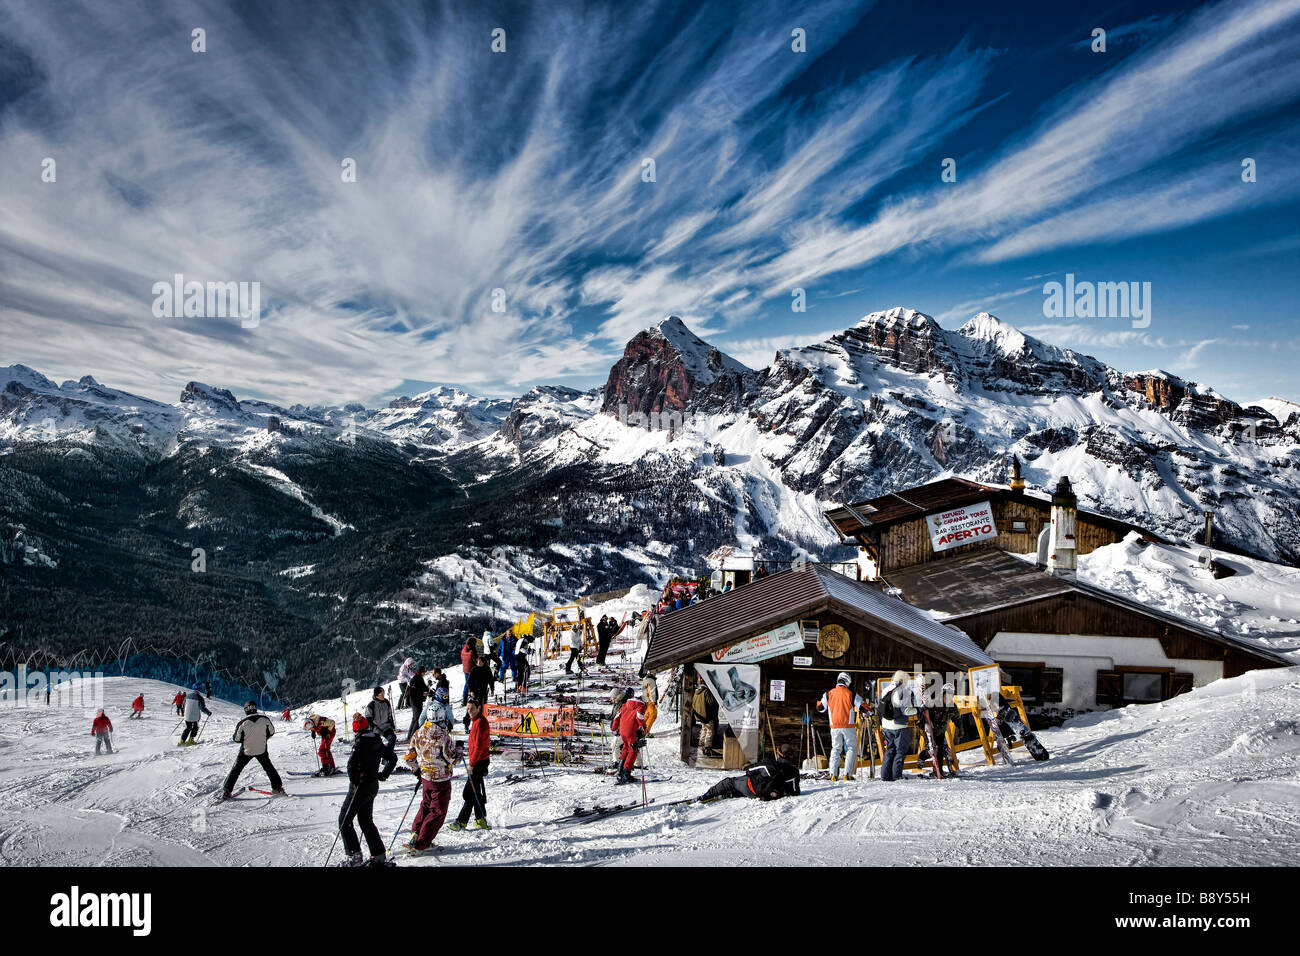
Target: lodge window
1026, 678
1144, 688
1140, 685
1019, 526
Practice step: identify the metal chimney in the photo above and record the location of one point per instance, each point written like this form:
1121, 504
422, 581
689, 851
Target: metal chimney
1065, 513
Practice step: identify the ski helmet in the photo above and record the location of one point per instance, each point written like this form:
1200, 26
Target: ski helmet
440, 695
307, 725
949, 689
359, 723
194, 687
250, 707
843, 679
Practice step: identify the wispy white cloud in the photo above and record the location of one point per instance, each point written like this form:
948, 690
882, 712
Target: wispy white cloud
522, 172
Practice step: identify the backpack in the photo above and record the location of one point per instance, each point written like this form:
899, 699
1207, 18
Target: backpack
885, 707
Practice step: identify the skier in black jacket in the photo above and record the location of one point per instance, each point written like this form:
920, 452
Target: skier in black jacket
766, 780
364, 775
416, 693
480, 680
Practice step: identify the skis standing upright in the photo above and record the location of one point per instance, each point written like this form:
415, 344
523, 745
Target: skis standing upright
929, 742
987, 708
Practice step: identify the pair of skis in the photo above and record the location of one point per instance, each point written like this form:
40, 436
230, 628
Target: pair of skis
590, 814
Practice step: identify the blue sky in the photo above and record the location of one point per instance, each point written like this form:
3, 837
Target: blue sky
523, 171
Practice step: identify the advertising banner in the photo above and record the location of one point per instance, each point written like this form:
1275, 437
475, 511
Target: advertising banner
773, 643
735, 687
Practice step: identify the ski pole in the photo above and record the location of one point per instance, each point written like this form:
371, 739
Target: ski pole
202, 727
418, 788
482, 814
339, 832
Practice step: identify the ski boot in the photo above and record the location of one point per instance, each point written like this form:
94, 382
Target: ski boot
353, 859
482, 825
456, 826
380, 861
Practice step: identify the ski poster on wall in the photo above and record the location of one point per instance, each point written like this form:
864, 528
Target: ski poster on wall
735, 687
773, 643
964, 525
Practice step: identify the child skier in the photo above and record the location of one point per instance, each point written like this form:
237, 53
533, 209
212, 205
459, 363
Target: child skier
137, 707
179, 702
102, 730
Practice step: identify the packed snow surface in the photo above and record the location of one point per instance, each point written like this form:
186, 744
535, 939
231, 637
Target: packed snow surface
1212, 777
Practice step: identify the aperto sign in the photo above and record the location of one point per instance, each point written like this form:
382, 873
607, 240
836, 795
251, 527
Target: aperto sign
965, 525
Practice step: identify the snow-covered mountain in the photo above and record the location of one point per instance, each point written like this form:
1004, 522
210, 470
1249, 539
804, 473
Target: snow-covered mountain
412, 516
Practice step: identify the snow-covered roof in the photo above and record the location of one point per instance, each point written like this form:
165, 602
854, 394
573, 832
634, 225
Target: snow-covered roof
780, 598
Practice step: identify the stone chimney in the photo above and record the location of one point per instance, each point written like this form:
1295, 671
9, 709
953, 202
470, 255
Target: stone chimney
1065, 512
1017, 483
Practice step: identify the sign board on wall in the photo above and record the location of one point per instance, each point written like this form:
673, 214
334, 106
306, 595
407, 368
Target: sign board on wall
773, 643
803, 662
986, 681
777, 691
958, 526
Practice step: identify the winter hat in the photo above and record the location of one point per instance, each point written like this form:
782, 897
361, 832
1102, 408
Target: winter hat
378, 690
900, 677
843, 679
949, 689
359, 723
440, 695
99, 712
194, 687
250, 707
307, 724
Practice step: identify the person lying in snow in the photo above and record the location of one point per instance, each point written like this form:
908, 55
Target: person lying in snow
766, 780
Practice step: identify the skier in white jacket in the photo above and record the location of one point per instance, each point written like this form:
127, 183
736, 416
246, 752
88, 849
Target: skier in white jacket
898, 702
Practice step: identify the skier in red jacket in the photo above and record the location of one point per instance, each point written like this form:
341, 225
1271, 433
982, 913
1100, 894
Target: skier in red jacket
468, 657
475, 792
137, 707
102, 731
179, 701
630, 726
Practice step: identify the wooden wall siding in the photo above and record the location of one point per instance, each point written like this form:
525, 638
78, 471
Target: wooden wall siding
870, 655
1081, 614
908, 542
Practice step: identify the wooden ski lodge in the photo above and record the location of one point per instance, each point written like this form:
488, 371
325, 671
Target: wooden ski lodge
951, 575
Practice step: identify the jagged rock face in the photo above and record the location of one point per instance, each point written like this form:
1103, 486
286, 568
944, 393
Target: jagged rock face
196, 392
669, 369
1182, 401
903, 338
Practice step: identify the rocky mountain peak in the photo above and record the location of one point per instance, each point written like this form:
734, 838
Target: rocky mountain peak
670, 368
197, 393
